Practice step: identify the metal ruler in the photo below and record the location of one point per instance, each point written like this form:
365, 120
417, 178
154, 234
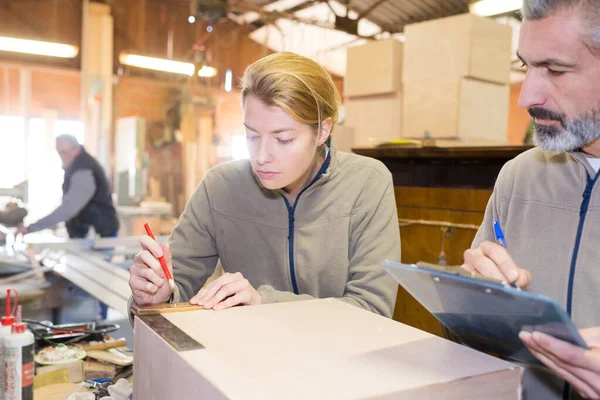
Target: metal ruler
172, 334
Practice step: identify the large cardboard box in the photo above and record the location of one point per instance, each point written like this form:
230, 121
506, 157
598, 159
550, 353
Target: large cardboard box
342, 138
465, 109
375, 68
465, 45
316, 349
375, 119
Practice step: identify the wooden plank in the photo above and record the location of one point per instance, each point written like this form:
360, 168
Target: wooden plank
106, 282
35, 263
461, 200
125, 241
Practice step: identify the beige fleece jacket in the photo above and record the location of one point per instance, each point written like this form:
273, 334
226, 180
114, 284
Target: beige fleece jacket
549, 209
332, 244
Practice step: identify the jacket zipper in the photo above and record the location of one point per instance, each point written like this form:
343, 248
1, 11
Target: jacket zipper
587, 193
291, 222
585, 202
291, 210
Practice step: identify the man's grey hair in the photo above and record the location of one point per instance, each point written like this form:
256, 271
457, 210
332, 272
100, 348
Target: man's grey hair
589, 9
65, 137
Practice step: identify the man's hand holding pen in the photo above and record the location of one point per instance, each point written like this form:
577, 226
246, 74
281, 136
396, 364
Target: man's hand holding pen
492, 260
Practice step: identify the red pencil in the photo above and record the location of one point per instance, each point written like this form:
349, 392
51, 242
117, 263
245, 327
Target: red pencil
161, 259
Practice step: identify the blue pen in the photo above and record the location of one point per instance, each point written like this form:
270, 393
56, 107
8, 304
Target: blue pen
499, 235
501, 240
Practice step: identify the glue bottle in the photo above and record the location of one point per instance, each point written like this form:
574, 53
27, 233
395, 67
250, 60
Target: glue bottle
18, 362
5, 330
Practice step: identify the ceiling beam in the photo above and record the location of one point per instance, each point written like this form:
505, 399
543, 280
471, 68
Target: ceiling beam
329, 5
371, 8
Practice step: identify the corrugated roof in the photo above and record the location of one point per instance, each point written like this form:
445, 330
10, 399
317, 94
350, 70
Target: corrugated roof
393, 15
390, 15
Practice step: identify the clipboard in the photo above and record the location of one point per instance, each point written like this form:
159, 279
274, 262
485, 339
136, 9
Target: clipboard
484, 314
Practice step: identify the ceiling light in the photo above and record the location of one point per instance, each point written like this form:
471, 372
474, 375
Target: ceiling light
228, 80
191, 19
487, 8
161, 64
207, 72
37, 47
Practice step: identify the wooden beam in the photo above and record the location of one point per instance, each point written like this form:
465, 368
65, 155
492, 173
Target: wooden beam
329, 5
371, 8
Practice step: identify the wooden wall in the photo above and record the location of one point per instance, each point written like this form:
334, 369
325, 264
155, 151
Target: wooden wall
518, 118
53, 88
48, 20
423, 243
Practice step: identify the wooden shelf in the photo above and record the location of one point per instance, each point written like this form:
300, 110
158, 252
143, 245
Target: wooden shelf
464, 153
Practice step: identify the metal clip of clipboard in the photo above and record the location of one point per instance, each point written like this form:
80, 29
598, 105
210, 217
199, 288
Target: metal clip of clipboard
457, 270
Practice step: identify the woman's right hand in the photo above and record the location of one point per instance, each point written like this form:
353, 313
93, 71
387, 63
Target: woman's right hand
146, 277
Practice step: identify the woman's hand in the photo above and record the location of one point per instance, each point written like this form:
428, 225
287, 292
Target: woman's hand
146, 277
227, 291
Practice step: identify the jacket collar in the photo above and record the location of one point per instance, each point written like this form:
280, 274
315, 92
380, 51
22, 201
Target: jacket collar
580, 157
330, 163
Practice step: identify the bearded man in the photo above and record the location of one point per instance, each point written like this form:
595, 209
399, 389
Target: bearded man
547, 200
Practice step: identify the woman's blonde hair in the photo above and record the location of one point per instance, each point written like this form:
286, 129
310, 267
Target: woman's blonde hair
298, 85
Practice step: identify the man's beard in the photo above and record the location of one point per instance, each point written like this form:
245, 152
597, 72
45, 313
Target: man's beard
570, 135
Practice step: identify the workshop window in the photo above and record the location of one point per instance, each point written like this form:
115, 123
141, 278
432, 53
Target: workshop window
43, 170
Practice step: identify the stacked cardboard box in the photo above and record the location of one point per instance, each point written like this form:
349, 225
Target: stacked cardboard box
373, 92
455, 78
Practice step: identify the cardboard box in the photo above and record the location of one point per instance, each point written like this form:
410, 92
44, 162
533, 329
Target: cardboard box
375, 68
465, 109
316, 349
342, 138
375, 119
465, 45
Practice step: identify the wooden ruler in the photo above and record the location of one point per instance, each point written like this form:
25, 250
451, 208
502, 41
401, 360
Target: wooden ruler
164, 308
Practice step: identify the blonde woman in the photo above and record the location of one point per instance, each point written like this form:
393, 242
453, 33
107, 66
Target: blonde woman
297, 221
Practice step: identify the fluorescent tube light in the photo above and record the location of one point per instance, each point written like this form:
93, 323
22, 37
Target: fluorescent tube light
487, 8
37, 47
161, 64
207, 72
228, 80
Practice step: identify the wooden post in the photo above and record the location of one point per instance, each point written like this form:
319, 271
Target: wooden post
96, 79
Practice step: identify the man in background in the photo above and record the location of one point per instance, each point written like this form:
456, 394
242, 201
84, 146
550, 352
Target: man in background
86, 201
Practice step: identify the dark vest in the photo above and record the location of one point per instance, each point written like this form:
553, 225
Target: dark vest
99, 212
